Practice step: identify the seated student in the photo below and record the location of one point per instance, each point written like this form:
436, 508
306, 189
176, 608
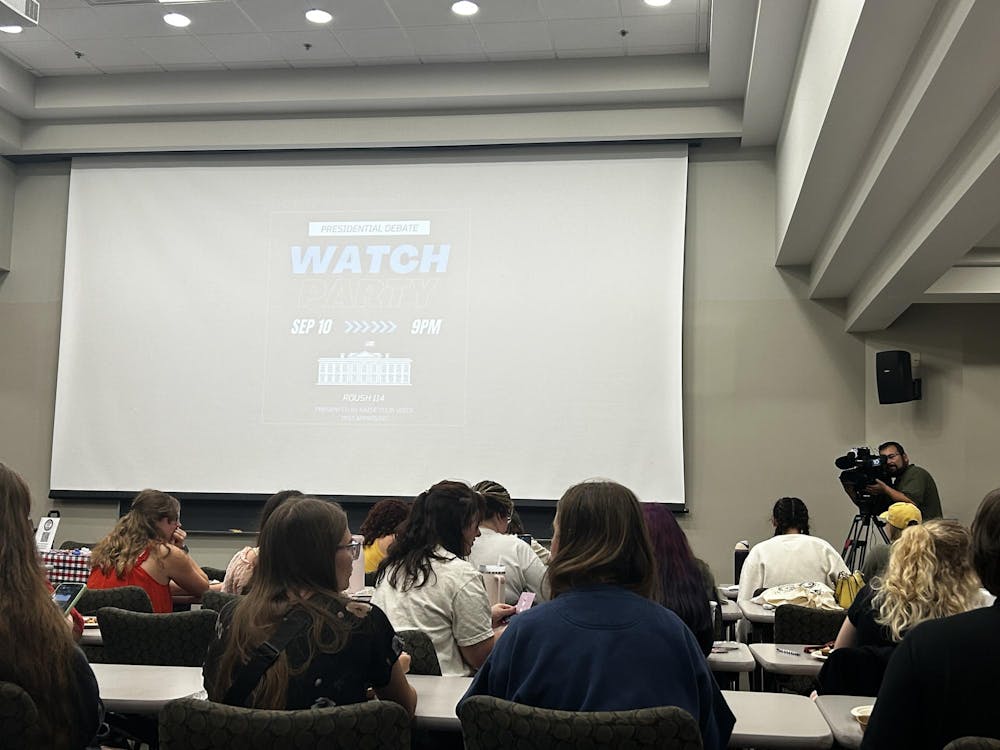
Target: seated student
241, 567
379, 530
603, 643
791, 555
494, 546
897, 517
930, 576
331, 650
941, 683
686, 583
145, 549
426, 583
38, 653
516, 527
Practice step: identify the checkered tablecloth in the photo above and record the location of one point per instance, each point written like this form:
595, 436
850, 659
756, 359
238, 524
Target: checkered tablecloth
66, 565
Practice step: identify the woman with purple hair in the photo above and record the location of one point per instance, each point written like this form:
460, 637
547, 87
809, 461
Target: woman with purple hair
686, 584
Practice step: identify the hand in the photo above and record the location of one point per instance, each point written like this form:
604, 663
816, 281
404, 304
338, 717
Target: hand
178, 538
501, 611
404, 661
879, 488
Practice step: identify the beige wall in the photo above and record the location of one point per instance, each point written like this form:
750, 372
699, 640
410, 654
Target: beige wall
774, 389
7, 177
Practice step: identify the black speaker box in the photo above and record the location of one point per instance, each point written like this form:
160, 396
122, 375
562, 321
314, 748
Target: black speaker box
894, 378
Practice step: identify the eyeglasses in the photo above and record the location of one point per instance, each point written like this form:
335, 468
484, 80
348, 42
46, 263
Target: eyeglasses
890, 456
354, 547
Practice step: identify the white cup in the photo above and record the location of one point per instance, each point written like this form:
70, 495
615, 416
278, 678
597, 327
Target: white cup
495, 581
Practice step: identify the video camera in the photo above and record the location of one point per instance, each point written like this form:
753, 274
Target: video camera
860, 469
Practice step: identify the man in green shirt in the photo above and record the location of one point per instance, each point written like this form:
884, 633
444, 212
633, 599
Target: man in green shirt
910, 483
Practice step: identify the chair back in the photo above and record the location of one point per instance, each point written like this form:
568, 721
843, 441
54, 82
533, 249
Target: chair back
214, 574
178, 639
132, 598
192, 723
489, 723
973, 743
423, 657
217, 600
70, 544
18, 718
795, 624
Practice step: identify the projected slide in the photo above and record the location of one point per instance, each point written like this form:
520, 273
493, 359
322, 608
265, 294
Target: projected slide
367, 317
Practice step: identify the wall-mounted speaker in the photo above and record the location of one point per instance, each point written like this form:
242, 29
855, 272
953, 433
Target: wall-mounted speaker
894, 378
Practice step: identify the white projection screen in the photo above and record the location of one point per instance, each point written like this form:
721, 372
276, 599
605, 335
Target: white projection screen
368, 324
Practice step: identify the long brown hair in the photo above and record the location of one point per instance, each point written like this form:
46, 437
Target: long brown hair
602, 538
134, 532
39, 648
296, 568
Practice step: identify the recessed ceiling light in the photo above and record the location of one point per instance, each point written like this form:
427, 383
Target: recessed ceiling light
465, 8
178, 20
11, 29
318, 16
657, 3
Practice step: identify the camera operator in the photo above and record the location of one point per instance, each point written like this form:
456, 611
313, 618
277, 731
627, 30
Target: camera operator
910, 483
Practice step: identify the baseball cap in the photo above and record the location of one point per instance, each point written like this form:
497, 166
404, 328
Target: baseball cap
901, 515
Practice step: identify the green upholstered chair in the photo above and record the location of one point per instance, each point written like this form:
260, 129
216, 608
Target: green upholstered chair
217, 600
492, 723
192, 724
131, 598
18, 718
423, 657
178, 639
214, 574
973, 743
795, 624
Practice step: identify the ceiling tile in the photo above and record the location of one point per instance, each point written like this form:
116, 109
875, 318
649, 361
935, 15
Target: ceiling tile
325, 49
599, 33
509, 56
215, 18
268, 15
229, 48
117, 69
175, 50
368, 43
445, 40
427, 13
508, 11
559, 9
47, 55
363, 14
661, 30
28, 34
48, 5
139, 20
501, 38
73, 23
192, 67
639, 8
113, 52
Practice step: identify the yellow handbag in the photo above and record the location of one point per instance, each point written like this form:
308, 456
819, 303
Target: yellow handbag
848, 586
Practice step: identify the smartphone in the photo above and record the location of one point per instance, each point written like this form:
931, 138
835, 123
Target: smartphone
524, 603
67, 594
525, 538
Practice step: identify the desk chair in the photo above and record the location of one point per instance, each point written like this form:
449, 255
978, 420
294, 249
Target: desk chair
179, 639
795, 624
18, 718
131, 598
192, 724
491, 723
214, 574
423, 657
217, 600
70, 544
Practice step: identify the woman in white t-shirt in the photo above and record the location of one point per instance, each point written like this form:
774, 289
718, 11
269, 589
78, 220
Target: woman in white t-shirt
791, 555
525, 571
425, 583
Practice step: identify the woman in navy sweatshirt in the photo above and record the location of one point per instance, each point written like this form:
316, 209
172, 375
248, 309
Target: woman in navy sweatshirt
603, 643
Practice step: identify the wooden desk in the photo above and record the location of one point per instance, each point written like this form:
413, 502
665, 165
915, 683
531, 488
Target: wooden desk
836, 709
774, 661
143, 689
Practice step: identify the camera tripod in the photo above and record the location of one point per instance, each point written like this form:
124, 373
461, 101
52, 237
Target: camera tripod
858, 537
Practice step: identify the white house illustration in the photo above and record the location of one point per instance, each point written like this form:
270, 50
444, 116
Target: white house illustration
364, 368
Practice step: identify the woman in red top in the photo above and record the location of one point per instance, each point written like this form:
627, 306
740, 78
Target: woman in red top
145, 549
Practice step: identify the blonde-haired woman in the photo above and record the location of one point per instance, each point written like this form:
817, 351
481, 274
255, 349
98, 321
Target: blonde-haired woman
145, 549
930, 575
40, 655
